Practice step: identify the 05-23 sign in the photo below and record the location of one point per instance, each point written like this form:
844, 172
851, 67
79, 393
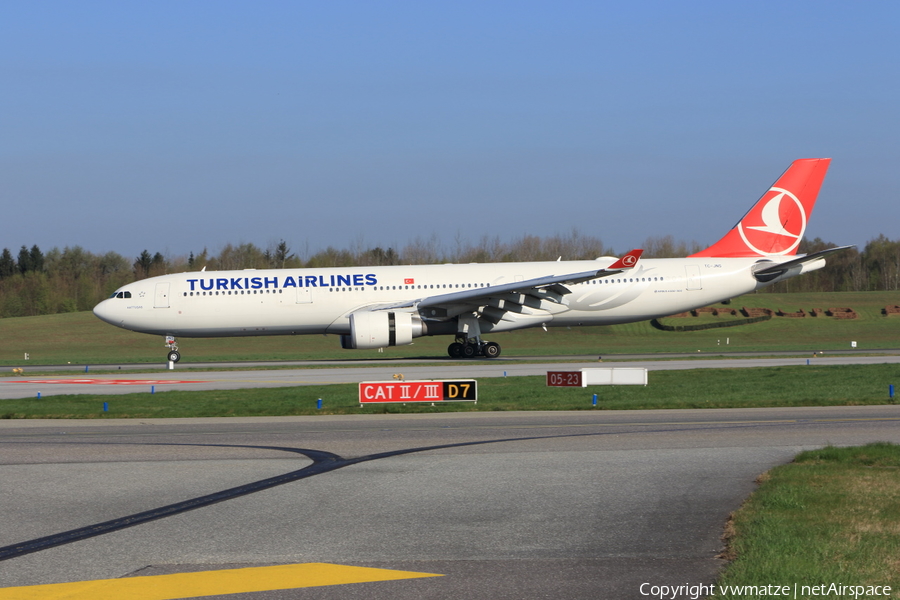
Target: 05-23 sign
564, 379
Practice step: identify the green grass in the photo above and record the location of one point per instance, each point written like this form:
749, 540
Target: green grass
702, 388
831, 516
81, 338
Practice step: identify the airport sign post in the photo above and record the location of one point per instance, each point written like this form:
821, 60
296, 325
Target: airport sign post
604, 376
457, 390
564, 379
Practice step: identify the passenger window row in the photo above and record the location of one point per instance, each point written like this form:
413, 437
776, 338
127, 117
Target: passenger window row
397, 287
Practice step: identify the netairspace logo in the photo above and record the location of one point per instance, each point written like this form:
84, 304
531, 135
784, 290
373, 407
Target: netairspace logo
829, 590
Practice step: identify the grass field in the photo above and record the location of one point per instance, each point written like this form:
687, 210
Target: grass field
81, 338
702, 388
831, 517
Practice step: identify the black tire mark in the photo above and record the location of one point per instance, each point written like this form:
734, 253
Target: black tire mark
323, 462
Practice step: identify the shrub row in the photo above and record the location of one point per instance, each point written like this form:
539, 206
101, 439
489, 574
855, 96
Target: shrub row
656, 323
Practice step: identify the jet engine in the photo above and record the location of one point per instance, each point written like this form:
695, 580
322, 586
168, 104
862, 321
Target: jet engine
379, 329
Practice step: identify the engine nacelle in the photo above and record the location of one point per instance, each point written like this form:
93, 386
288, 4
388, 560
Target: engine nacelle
380, 329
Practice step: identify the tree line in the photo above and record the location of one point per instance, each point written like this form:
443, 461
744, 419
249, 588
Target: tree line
73, 279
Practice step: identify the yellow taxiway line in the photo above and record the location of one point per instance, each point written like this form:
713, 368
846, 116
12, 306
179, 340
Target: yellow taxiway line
209, 583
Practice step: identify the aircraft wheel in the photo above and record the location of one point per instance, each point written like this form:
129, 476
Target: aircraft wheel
174, 356
455, 350
470, 350
492, 349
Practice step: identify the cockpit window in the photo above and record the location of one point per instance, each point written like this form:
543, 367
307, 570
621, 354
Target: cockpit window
122, 295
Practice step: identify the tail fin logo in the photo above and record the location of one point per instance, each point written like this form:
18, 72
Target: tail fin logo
628, 261
783, 210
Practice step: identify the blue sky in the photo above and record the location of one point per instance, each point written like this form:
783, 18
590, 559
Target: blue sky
174, 126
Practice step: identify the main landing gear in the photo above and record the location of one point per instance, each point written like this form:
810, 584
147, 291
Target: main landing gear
173, 355
472, 348
468, 342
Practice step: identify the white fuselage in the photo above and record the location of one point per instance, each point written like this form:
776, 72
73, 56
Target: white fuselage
318, 301
375, 307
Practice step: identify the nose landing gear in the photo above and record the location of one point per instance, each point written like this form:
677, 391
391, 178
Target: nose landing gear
173, 355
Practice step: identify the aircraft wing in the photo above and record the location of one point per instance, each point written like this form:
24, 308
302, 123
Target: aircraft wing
511, 296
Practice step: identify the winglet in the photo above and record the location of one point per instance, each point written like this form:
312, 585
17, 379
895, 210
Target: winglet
776, 223
629, 261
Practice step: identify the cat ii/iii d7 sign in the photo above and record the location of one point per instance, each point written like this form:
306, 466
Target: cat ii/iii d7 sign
461, 390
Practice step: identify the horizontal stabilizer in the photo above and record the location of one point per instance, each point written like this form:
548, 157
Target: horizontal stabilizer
770, 272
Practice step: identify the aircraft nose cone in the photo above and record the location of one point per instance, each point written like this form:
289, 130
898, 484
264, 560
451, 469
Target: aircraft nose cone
105, 311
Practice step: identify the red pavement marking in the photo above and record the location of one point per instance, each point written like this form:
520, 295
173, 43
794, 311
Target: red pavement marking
105, 381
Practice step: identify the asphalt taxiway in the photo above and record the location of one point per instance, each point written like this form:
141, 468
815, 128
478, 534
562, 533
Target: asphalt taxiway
500, 505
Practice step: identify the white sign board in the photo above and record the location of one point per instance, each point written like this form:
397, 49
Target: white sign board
614, 376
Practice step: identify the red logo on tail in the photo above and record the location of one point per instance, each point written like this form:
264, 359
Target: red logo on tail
783, 223
628, 261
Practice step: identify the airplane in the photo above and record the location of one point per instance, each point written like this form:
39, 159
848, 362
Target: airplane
379, 307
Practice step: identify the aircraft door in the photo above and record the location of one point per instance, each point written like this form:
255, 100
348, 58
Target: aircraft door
693, 277
161, 299
304, 296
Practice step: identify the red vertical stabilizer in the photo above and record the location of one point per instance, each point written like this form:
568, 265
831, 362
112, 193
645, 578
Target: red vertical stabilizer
776, 223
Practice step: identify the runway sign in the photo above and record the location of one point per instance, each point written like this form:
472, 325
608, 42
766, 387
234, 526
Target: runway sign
461, 390
564, 379
616, 376
604, 376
